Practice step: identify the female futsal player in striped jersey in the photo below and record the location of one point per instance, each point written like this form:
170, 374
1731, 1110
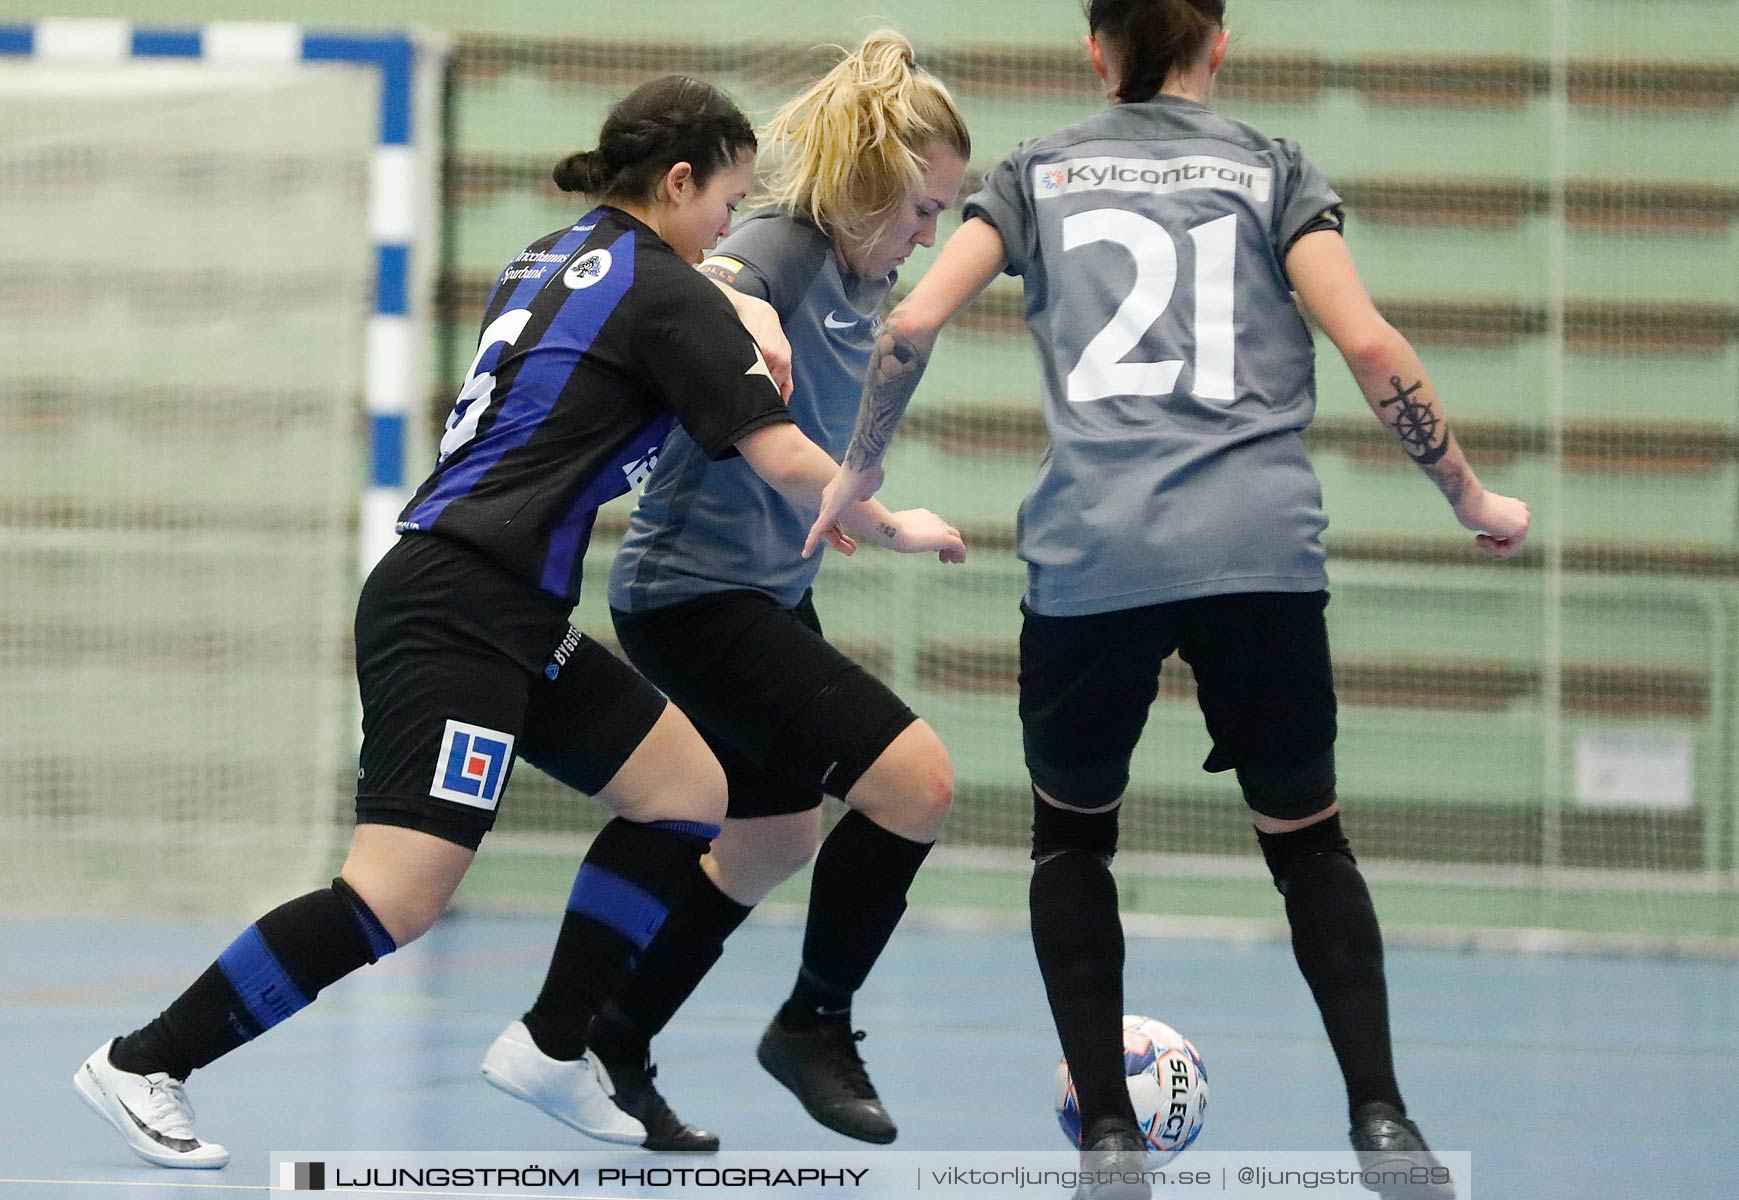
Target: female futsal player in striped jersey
1158, 244
711, 599
597, 340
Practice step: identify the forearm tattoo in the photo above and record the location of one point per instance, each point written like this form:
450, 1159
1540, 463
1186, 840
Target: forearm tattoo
896, 365
888, 531
1417, 424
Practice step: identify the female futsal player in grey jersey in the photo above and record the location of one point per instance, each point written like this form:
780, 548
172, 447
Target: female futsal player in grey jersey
1158, 244
710, 594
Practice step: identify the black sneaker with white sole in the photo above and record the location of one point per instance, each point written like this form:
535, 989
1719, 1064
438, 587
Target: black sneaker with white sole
821, 1066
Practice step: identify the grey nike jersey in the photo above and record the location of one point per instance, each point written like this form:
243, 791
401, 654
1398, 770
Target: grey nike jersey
1178, 374
703, 526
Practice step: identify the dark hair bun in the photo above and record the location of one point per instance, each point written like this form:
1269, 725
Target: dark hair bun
660, 123
582, 172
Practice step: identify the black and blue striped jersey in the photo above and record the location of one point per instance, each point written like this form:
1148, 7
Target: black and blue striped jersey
596, 340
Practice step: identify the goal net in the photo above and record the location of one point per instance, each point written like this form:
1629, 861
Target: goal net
187, 287
1542, 196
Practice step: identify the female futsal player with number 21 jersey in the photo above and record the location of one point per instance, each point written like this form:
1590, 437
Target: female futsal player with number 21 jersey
1158, 244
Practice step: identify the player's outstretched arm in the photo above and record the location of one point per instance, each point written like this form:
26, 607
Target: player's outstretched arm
971, 259
1396, 387
799, 470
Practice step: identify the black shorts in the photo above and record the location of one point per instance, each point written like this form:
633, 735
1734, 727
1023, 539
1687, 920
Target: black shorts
462, 667
788, 716
1263, 679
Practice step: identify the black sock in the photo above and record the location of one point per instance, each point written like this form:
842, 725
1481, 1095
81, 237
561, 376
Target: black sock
856, 898
622, 894
1340, 952
672, 967
269, 973
1078, 938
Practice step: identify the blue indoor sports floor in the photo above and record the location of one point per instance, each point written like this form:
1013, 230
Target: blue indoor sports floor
1580, 1077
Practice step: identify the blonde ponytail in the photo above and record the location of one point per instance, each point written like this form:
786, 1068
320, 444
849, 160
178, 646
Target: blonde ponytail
851, 148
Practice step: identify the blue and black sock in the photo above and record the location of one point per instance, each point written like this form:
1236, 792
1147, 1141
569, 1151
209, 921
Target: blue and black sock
631, 878
272, 971
674, 964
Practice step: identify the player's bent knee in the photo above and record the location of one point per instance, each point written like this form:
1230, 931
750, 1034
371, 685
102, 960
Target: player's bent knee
1290, 795
671, 776
405, 876
707, 795
405, 913
1085, 787
405, 908
414, 916
786, 857
750, 880
1266, 824
909, 790
1284, 852
933, 793
1058, 829
767, 850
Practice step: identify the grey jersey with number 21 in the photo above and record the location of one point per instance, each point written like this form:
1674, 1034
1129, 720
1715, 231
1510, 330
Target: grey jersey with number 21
1178, 374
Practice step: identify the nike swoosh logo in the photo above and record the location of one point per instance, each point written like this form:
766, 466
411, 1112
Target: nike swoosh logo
172, 1143
832, 324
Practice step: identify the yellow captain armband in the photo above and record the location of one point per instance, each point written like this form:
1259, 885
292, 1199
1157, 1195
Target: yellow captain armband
722, 268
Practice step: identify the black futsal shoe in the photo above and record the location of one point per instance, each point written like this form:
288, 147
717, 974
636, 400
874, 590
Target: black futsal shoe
1113, 1157
637, 1095
821, 1066
1396, 1162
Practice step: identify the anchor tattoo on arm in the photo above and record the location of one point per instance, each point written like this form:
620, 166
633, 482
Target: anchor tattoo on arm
1416, 424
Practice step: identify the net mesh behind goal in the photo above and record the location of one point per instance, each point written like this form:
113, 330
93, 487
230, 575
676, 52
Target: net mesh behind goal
185, 282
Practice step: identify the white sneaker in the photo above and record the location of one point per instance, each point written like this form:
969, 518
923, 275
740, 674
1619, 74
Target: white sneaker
150, 1111
575, 1093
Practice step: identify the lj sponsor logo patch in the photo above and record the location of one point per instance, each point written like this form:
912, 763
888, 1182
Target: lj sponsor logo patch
472, 765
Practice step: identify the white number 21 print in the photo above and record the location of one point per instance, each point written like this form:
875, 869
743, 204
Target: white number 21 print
1101, 371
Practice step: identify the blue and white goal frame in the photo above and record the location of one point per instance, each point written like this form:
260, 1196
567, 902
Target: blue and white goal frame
403, 181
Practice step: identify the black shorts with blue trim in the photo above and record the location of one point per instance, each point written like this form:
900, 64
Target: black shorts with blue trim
463, 668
